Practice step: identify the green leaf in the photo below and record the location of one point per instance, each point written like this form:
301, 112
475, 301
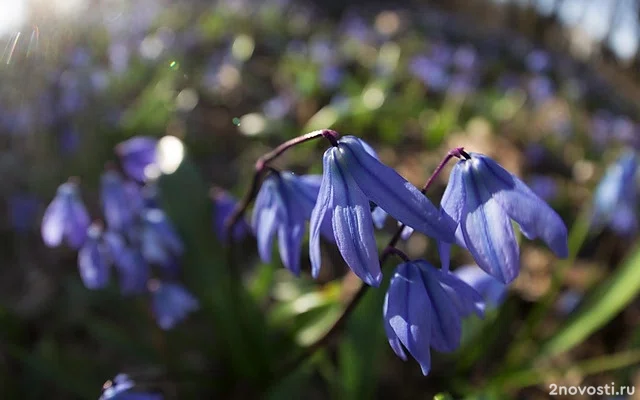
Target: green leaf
236, 319
604, 303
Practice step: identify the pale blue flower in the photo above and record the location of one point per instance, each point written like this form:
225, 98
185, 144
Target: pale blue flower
352, 178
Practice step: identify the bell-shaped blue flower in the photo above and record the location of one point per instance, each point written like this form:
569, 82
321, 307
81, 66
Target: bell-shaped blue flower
118, 204
223, 206
483, 198
492, 291
283, 205
120, 388
352, 178
65, 218
137, 155
93, 259
133, 270
423, 308
160, 243
171, 303
616, 198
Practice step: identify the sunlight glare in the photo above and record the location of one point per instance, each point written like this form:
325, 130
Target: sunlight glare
12, 15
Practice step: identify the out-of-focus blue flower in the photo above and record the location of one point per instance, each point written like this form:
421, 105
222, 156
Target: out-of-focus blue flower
120, 389
600, 127
69, 140
537, 61
136, 155
93, 259
423, 308
133, 270
568, 301
540, 88
278, 107
483, 197
433, 75
160, 243
223, 206
283, 205
117, 204
492, 291
616, 199
65, 218
331, 76
352, 178
465, 58
171, 303
379, 216
23, 210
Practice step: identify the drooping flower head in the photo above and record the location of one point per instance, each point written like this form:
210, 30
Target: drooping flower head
65, 218
223, 206
137, 155
118, 202
351, 178
171, 303
283, 205
616, 198
160, 243
483, 198
121, 388
423, 308
93, 259
492, 291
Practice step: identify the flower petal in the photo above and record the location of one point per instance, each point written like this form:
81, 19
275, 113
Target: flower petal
487, 231
408, 315
265, 219
77, 223
535, 217
92, 260
393, 193
52, 227
291, 228
319, 213
465, 297
446, 326
353, 227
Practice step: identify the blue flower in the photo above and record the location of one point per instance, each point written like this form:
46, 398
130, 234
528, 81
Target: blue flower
160, 244
283, 205
492, 291
423, 308
93, 259
616, 198
483, 198
65, 218
137, 155
133, 269
120, 389
352, 178
171, 303
223, 206
117, 204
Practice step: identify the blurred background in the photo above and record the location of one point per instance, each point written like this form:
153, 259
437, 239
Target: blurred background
548, 88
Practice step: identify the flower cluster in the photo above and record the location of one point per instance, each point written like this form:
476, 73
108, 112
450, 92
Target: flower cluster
136, 234
424, 305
